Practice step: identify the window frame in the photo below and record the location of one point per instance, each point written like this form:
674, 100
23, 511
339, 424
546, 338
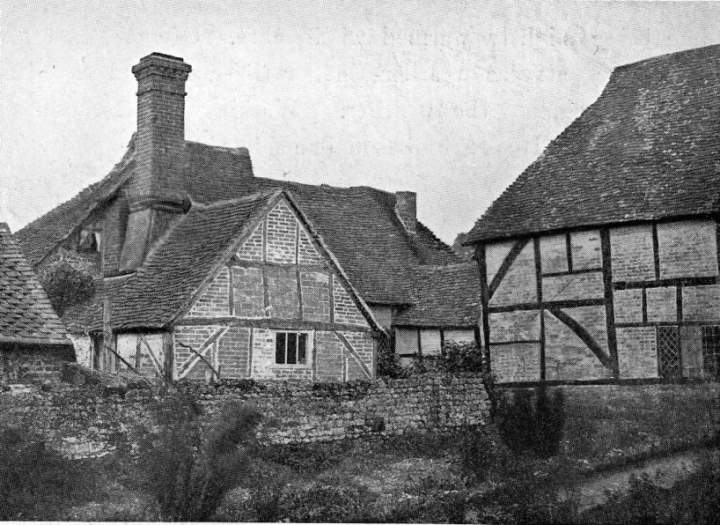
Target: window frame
308, 348
711, 347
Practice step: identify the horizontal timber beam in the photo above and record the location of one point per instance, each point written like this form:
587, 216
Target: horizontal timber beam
273, 324
547, 305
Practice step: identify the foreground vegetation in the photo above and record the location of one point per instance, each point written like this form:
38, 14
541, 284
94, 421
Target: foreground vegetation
510, 472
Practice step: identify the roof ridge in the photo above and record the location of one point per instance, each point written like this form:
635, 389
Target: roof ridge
126, 159
237, 200
240, 150
449, 265
665, 56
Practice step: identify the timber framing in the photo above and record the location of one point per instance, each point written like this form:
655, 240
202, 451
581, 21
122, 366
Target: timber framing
484, 300
606, 258
609, 359
659, 283
271, 323
584, 335
505, 266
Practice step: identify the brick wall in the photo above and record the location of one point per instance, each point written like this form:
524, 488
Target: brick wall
637, 352
515, 362
293, 411
281, 242
553, 254
32, 363
248, 292
215, 301
628, 306
252, 248
567, 357
518, 286
701, 303
315, 287
280, 277
520, 325
345, 309
575, 286
632, 253
687, 249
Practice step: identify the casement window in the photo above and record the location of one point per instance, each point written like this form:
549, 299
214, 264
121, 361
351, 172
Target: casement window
291, 348
668, 349
711, 352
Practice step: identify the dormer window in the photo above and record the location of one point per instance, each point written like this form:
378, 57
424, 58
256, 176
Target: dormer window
90, 241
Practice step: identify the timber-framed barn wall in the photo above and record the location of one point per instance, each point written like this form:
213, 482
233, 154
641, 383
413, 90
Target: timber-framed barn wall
599, 263
631, 302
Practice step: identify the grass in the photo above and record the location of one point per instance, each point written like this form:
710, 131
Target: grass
694, 501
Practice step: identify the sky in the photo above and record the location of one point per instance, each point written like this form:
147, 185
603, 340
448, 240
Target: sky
451, 100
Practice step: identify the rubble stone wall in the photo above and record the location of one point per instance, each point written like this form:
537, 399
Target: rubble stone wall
91, 420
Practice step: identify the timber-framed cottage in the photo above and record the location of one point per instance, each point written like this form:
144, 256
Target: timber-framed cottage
600, 262
204, 270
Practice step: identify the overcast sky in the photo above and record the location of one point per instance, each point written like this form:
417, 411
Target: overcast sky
449, 99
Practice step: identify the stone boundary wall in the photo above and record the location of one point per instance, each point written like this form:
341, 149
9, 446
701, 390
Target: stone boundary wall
85, 421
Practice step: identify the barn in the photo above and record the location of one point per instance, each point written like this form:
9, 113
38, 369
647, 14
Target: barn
599, 263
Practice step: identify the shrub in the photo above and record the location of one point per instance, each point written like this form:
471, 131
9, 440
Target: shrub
66, 285
36, 482
461, 357
524, 427
187, 474
478, 453
695, 500
327, 503
388, 363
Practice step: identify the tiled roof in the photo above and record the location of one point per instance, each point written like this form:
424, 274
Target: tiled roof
193, 247
361, 229
26, 316
648, 148
39, 237
358, 224
446, 296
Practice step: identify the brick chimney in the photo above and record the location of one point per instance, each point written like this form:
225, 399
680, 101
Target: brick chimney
406, 209
156, 192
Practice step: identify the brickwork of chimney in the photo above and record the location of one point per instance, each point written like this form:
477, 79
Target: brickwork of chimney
157, 192
160, 141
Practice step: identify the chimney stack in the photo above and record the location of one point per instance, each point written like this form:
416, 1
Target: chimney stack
157, 188
406, 209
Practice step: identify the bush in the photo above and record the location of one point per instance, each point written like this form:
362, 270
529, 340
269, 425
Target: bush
461, 357
187, 474
66, 285
524, 427
478, 453
36, 482
327, 503
696, 500
388, 363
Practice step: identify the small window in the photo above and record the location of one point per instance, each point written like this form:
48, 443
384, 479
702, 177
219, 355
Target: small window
711, 352
89, 241
668, 349
291, 348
